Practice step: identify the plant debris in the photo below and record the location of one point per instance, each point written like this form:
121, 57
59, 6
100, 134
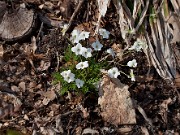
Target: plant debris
116, 103
143, 95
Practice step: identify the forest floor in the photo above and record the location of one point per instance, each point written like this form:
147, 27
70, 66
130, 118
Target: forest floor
26, 74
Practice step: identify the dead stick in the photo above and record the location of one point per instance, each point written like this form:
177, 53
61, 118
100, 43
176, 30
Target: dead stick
74, 14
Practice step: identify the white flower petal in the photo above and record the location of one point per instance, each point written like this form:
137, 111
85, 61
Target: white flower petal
78, 35
65, 73
97, 45
68, 76
75, 33
83, 35
138, 45
87, 52
104, 33
79, 83
77, 49
75, 36
82, 65
85, 64
110, 51
79, 65
113, 72
132, 63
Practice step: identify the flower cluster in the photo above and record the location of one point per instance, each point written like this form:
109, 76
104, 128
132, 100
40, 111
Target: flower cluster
84, 73
70, 77
80, 73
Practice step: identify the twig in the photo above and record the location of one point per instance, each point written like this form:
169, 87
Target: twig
74, 14
40, 30
57, 56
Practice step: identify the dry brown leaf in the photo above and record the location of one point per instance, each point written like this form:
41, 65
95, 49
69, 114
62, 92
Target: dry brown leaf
117, 48
177, 80
1, 53
141, 110
116, 104
15, 88
22, 85
50, 95
9, 103
144, 131
124, 130
78, 130
84, 111
164, 109
90, 131
33, 1
174, 26
44, 65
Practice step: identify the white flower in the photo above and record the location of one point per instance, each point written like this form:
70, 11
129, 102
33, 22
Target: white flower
79, 83
83, 35
82, 65
65, 73
68, 76
75, 36
138, 45
78, 49
97, 45
132, 75
110, 51
113, 72
132, 63
104, 33
87, 52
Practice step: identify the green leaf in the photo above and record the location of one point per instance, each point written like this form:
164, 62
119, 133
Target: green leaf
13, 132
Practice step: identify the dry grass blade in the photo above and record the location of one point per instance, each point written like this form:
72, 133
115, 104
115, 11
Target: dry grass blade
122, 18
164, 58
137, 5
142, 16
128, 15
176, 6
154, 59
102, 5
160, 51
